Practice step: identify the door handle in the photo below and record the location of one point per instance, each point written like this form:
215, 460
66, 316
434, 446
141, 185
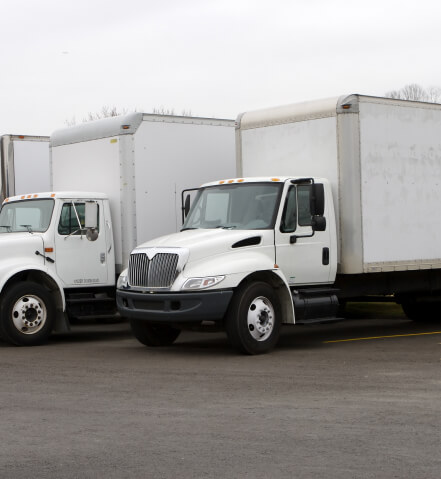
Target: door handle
325, 256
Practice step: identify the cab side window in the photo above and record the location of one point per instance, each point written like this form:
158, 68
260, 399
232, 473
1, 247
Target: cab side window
304, 201
68, 219
289, 217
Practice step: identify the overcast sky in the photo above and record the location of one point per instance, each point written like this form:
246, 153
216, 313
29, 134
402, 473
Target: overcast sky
64, 58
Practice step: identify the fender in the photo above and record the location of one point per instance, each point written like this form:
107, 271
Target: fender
237, 266
6, 273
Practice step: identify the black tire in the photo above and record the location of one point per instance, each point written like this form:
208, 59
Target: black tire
254, 318
422, 312
153, 334
27, 314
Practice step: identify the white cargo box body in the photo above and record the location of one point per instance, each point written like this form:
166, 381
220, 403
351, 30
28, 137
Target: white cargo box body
142, 162
24, 164
383, 158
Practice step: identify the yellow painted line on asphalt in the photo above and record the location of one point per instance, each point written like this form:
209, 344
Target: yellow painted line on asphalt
381, 337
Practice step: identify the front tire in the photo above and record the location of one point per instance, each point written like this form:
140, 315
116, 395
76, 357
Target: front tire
152, 334
27, 314
254, 319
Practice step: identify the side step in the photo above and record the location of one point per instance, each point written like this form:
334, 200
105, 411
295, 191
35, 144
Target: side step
318, 320
315, 305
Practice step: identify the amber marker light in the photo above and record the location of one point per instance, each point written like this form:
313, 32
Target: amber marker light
53, 195
125, 127
240, 181
221, 182
48, 250
23, 197
275, 179
35, 196
230, 181
276, 266
346, 107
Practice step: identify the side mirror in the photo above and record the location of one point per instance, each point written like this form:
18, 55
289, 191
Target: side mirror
91, 215
186, 206
318, 223
91, 220
317, 203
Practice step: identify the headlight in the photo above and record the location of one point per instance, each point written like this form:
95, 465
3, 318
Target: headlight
201, 283
122, 280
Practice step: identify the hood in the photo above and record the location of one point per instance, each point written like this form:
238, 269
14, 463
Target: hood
13, 245
208, 242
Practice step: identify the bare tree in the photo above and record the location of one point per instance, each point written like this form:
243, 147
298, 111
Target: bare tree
106, 112
169, 111
434, 94
416, 92
109, 111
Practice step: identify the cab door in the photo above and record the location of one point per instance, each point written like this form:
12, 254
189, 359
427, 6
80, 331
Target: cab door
302, 254
80, 262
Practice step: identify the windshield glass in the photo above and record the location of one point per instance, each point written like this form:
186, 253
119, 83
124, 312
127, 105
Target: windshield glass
250, 206
32, 216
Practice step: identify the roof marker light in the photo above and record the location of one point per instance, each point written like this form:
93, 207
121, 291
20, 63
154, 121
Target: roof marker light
23, 197
230, 181
53, 195
275, 179
240, 181
221, 182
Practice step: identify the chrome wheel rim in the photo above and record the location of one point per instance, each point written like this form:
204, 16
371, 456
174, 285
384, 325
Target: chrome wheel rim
29, 314
260, 318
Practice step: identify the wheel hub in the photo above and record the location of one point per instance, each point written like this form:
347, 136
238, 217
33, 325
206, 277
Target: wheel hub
260, 318
29, 314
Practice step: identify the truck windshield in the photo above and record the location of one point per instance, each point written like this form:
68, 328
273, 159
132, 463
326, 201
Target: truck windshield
251, 206
32, 216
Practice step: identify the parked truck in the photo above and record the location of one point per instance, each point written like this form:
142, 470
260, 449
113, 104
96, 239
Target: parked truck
24, 163
334, 200
63, 249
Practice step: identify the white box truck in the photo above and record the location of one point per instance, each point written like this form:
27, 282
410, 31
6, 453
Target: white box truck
24, 162
64, 248
334, 199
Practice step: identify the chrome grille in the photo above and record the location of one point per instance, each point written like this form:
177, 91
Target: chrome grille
159, 272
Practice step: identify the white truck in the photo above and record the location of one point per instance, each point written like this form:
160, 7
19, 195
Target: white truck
63, 249
24, 163
334, 200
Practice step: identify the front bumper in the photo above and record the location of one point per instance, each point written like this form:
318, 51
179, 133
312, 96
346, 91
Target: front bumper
174, 307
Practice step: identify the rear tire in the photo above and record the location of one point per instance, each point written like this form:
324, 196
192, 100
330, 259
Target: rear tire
422, 312
153, 334
254, 319
27, 314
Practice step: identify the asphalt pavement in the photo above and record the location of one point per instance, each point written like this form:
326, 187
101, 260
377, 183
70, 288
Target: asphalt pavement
357, 399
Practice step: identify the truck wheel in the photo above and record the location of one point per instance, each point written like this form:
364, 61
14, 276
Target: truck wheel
254, 319
422, 312
152, 334
27, 314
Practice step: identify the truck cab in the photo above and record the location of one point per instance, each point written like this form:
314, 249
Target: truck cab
253, 253
54, 246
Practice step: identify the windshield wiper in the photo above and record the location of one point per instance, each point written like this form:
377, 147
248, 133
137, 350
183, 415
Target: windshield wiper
185, 229
8, 228
226, 227
28, 227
